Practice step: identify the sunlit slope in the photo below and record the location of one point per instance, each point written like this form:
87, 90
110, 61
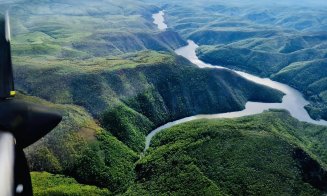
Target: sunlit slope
48, 184
86, 29
270, 153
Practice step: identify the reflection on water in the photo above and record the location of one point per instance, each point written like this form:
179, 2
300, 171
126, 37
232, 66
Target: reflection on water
293, 101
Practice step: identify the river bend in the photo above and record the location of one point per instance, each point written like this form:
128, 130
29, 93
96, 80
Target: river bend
293, 101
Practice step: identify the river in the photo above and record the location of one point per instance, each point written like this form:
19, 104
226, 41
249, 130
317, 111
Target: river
293, 101
159, 20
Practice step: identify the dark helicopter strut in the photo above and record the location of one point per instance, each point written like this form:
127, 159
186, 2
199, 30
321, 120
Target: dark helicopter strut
21, 124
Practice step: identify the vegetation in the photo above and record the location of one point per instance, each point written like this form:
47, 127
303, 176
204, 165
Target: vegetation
78, 147
128, 126
48, 184
100, 56
113, 76
310, 77
301, 69
155, 93
270, 153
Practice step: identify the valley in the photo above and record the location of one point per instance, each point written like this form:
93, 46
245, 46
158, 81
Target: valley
119, 81
153, 164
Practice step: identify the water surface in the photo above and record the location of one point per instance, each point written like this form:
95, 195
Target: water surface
293, 101
159, 20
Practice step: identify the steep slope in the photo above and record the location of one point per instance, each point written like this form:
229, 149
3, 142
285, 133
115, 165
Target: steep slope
270, 153
73, 53
115, 43
82, 54
311, 78
78, 147
302, 69
259, 62
134, 100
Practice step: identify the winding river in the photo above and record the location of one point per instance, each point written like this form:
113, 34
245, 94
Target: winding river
293, 101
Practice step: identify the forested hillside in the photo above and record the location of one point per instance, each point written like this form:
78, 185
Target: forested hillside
115, 77
266, 154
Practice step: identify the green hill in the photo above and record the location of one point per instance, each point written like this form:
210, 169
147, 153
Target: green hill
96, 64
258, 62
108, 66
144, 94
78, 147
48, 184
311, 78
266, 154
101, 56
114, 78
303, 69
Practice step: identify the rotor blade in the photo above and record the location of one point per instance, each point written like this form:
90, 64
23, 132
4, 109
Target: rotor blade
7, 28
28, 122
6, 72
40, 121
